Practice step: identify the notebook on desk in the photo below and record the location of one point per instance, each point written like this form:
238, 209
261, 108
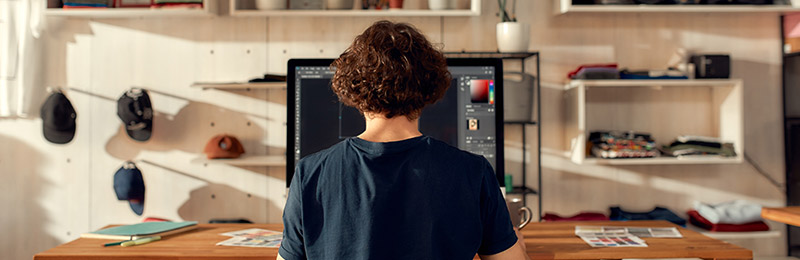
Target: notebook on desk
146, 229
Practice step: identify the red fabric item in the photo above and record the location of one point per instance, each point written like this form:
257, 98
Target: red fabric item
583, 216
154, 219
698, 220
609, 65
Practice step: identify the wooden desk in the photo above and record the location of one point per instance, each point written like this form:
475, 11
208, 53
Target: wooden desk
786, 215
544, 241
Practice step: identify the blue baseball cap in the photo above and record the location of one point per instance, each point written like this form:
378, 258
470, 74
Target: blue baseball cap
129, 185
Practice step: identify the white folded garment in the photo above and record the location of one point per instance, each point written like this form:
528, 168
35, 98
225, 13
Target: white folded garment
731, 212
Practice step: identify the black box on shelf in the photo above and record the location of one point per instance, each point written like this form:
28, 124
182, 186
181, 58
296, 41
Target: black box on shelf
709, 66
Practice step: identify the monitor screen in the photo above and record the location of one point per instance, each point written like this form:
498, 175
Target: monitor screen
469, 116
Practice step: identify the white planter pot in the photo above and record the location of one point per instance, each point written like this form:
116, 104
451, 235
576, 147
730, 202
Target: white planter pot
340, 4
270, 4
441, 4
512, 37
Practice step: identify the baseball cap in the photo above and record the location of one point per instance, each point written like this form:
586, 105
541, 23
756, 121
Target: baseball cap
136, 112
58, 119
129, 185
223, 146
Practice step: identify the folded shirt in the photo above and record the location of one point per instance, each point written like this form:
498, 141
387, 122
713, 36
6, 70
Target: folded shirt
658, 213
696, 219
731, 212
583, 216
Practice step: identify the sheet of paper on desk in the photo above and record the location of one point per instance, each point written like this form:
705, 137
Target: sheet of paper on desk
665, 232
250, 242
256, 233
254, 237
619, 240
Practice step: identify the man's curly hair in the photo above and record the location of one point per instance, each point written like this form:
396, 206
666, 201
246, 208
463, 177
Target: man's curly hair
390, 69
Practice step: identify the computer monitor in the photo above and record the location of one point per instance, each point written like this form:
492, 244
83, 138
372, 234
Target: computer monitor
469, 116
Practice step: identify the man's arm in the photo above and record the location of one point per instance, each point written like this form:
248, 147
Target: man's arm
516, 252
280, 257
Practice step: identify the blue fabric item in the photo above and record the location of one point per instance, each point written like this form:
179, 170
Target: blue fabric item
417, 198
85, 5
658, 213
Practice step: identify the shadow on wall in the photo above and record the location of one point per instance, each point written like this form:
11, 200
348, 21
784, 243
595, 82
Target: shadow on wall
189, 130
214, 201
22, 218
223, 201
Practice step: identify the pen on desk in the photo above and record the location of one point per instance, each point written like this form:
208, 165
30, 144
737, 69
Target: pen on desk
116, 243
140, 241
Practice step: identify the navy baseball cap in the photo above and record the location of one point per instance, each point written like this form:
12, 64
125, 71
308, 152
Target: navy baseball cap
136, 112
129, 185
58, 119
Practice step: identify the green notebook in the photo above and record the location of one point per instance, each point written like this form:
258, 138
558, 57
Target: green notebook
145, 229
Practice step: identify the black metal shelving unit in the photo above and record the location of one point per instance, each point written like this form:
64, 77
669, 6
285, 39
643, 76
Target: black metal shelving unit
523, 190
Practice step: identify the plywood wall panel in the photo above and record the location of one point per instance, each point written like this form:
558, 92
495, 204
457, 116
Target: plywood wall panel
102, 58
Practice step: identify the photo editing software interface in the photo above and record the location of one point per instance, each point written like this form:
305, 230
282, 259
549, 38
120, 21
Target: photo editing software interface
464, 118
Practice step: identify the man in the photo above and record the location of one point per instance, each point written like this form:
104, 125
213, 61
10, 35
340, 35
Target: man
391, 192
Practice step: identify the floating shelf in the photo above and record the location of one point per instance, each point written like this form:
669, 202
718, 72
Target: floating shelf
239, 9
254, 160
710, 107
566, 6
652, 83
737, 235
125, 13
355, 13
241, 86
662, 160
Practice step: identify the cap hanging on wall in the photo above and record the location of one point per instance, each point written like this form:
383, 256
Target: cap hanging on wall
223, 146
136, 112
58, 118
129, 185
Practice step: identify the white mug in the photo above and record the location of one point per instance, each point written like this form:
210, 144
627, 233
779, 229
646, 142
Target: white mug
520, 215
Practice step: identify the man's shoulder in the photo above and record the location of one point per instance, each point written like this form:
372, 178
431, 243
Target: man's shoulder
317, 159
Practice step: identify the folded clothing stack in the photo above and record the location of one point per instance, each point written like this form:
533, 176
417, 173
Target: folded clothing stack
583, 216
698, 220
652, 74
699, 146
622, 145
659, 213
70, 4
178, 4
595, 71
732, 216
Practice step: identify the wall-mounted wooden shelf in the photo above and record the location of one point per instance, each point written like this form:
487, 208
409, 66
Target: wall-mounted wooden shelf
241, 86
662, 160
112, 13
355, 13
237, 10
566, 6
246, 160
705, 107
736, 235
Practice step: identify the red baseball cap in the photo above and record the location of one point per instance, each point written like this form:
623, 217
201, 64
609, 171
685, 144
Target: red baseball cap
223, 146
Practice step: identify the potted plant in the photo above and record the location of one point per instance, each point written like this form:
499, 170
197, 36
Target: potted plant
512, 36
395, 4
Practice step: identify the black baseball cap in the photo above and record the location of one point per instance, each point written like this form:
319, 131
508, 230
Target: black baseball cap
58, 119
136, 112
129, 185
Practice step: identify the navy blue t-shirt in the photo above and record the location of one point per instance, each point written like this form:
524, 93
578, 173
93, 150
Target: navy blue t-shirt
418, 198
